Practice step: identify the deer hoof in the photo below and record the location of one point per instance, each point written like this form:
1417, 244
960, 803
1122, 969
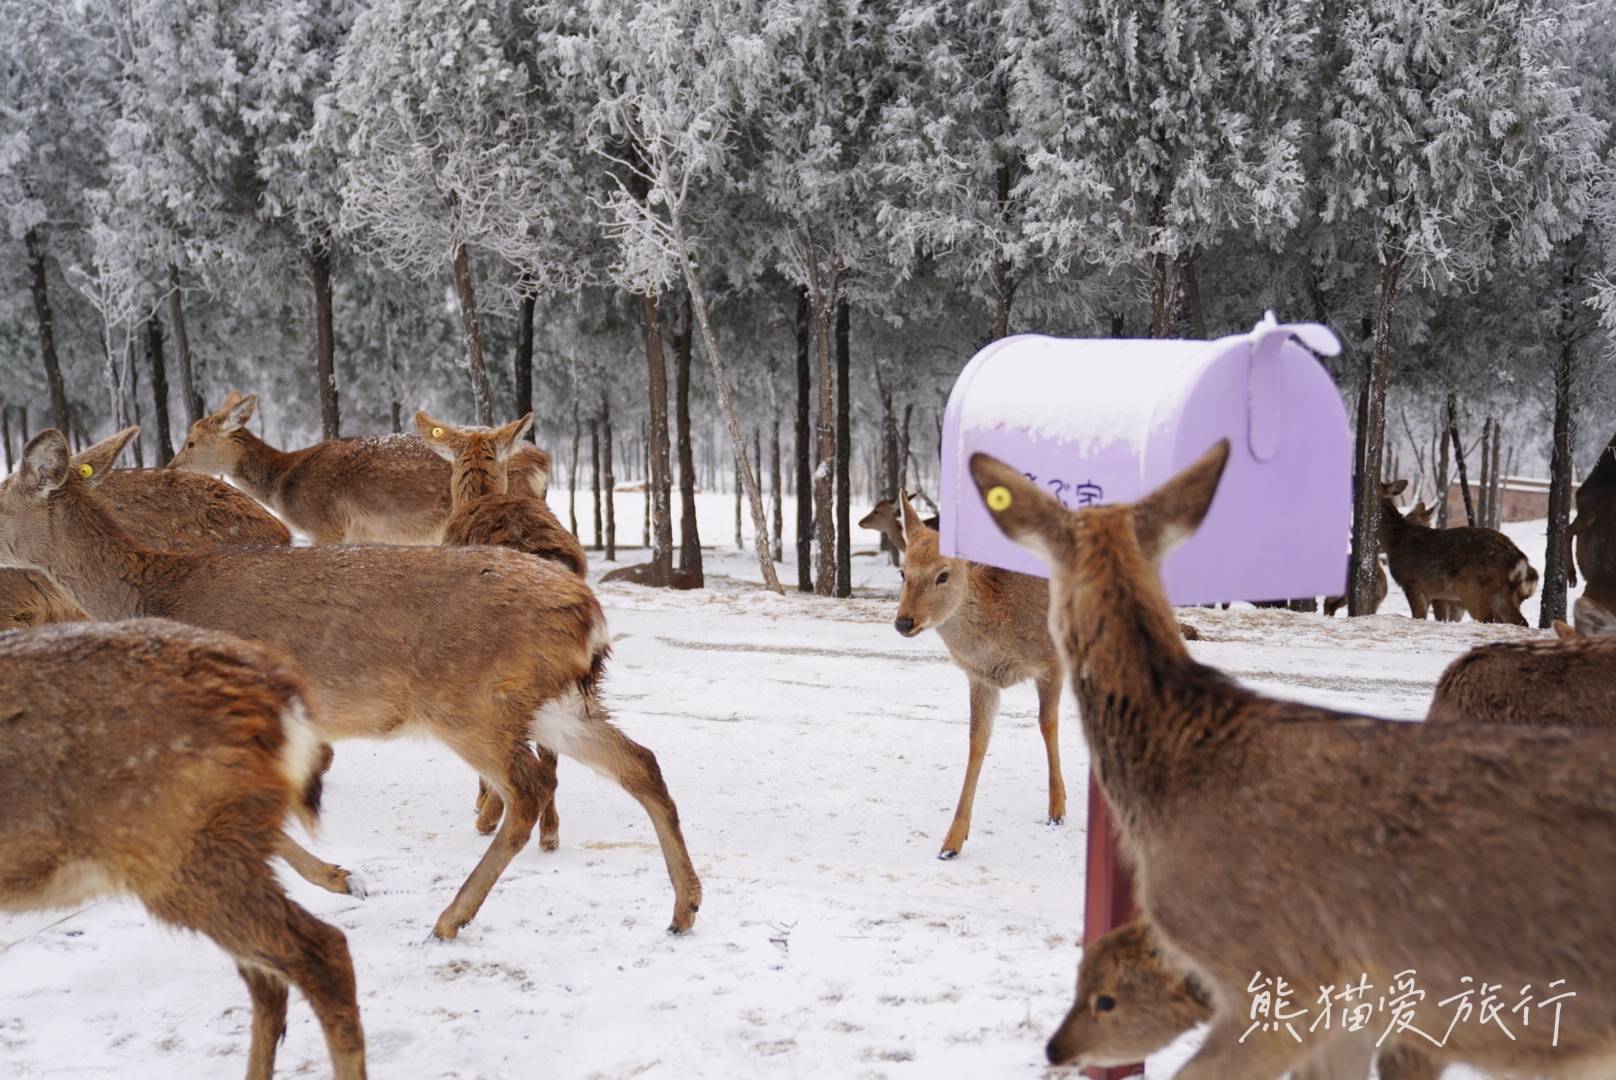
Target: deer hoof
1056, 820
947, 853
356, 886
444, 931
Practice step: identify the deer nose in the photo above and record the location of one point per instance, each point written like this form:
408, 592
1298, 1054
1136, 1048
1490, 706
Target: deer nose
905, 625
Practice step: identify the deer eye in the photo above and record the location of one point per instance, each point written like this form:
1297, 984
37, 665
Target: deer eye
1104, 1003
942, 579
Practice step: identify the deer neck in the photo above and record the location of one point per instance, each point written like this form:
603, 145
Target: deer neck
260, 467
96, 563
471, 484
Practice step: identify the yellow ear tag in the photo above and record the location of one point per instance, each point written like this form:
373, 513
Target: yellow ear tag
437, 433
998, 498
86, 471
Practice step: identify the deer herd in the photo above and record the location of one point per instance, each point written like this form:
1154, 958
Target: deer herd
175, 668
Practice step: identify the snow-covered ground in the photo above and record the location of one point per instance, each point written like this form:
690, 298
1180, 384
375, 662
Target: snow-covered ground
815, 756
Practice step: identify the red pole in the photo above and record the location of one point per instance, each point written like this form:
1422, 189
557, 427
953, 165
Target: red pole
1108, 895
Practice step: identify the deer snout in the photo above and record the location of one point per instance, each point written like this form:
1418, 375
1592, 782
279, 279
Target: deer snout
905, 626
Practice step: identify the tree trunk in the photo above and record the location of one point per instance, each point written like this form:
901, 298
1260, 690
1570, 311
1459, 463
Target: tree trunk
844, 453
159, 374
194, 408
689, 526
1442, 473
131, 375
1366, 516
1192, 292
1004, 281
594, 455
740, 542
659, 479
523, 363
890, 462
47, 330
1556, 572
572, 474
805, 498
324, 341
777, 513
822, 299
1459, 461
482, 395
1495, 509
5, 434
609, 484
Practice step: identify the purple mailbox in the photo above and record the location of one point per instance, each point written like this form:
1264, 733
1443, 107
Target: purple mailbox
1107, 420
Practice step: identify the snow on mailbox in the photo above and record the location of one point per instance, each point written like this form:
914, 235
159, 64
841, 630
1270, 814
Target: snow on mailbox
1107, 420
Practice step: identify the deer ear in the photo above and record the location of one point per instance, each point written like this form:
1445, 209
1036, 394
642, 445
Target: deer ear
1170, 515
233, 415
1564, 630
1030, 517
438, 435
46, 464
505, 438
99, 459
1396, 487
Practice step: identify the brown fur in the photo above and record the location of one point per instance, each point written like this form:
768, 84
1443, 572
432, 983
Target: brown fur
646, 574
484, 512
1558, 682
1480, 569
1591, 537
160, 761
1276, 837
995, 625
29, 598
886, 518
1595, 611
485, 649
388, 489
1131, 1003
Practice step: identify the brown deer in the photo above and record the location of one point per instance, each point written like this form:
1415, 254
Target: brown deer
1130, 1004
485, 513
994, 624
160, 761
29, 598
1595, 610
1478, 569
1567, 681
1270, 839
488, 650
170, 509
387, 489
1591, 543
1420, 514
886, 518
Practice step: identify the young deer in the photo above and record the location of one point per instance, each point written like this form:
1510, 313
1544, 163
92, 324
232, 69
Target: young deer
484, 513
29, 599
1275, 839
884, 518
1130, 1004
160, 761
995, 625
1569, 681
1479, 569
169, 509
386, 489
488, 650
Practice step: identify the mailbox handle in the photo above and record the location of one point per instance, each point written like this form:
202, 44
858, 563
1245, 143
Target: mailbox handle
1265, 396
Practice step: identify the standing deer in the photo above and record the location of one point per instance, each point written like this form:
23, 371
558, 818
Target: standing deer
487, 650
1479, 569
994, 623
485, 513
387, 489
1270, 839
1591, 542
160, 761
29, 598
884, 518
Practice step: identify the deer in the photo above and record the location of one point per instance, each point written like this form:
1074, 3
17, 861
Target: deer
993, 624
488, 650
1420, 514
885, 517
1591, 541
29, 599
483, 511
388, 489
1131, 1003
165, 508
1595, 610
159, 761
1478, 569
1568, 681
1271, 839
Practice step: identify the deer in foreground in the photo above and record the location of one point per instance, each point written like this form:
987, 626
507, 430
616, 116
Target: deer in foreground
29, 599
483, 512
1478, 569
170, 509
487, 650
155, 760
1278, 838
1568, 681
1591, 543
387, 489
994, 624
1131, 1003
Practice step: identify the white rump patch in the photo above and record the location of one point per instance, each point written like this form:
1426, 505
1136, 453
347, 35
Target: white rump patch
559, 724
300, 753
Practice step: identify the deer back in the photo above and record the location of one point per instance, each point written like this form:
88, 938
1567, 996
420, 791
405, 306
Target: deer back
1540, 683
29, 598
166, 508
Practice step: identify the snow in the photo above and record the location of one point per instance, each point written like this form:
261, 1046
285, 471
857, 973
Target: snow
815, 756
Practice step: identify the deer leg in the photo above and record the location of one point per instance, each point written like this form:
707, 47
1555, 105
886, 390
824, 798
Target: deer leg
269, 1020
1049, 695
579, 727
1264, 1056
1416, 602
1345, 1057
490, 808
1406, 1063
520, 784
549, 820
316, 871
984, 707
